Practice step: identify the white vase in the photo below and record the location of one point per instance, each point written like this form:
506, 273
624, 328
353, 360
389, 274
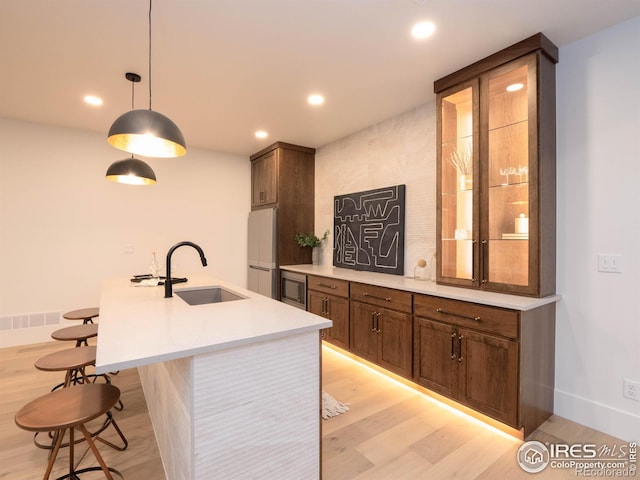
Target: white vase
466, 182
315, 255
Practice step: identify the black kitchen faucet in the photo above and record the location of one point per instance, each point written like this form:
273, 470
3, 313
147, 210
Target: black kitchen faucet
168, 289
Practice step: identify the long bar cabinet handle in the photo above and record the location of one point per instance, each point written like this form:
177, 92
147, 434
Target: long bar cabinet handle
378, 322
444, 312
332, 287
460, 348
386, 299
373, 322
453, 345
474, 246
485, 254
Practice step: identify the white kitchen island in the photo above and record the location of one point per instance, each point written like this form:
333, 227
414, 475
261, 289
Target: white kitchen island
233, 388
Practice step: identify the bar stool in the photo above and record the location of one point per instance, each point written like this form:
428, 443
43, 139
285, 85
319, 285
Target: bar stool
74, 361
78, 333
68, 409
85, 314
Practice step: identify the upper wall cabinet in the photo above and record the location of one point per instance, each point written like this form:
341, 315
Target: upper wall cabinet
282, 177
496, 192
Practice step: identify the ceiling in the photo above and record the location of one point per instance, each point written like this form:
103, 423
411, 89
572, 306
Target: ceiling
222, 69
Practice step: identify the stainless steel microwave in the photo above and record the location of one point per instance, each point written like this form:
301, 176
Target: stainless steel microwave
293, 289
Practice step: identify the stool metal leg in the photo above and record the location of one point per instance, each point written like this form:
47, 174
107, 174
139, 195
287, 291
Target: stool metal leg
54, 454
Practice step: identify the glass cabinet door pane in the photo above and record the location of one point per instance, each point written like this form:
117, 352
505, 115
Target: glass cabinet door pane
508, 178
457, 185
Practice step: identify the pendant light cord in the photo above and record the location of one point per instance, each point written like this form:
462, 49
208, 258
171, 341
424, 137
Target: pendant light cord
133, 84
150, 54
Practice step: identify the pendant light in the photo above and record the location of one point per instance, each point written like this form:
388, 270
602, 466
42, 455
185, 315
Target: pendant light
131, 171
145, 132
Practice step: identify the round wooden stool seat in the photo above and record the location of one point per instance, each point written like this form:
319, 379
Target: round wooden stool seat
68, 409
79, 333
85, 314
73, 361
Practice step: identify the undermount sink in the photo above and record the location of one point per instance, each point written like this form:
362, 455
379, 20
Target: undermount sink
205, 295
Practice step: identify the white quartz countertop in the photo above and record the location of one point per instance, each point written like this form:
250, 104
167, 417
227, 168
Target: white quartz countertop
410, 284
138, 326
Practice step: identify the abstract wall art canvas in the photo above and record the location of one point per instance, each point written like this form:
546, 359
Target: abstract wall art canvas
368, 230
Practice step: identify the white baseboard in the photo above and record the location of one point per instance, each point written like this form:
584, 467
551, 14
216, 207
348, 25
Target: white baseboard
612, 421
27, 336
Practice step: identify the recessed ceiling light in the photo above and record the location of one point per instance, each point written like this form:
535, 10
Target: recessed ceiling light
261, 134
316, 99
93, 100
423, 30
514, 87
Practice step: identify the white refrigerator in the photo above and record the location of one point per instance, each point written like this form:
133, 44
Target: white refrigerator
262, 276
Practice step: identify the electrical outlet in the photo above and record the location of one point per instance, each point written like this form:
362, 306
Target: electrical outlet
129, 249
631, 390
610, 263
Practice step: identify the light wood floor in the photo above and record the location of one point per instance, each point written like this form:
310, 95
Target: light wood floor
391, 432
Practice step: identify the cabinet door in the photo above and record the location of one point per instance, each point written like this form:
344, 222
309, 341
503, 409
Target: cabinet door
337, 310
436, 356
488, 375
315, 302
264, 175
363, 340
395, 335
457, 173
510, 221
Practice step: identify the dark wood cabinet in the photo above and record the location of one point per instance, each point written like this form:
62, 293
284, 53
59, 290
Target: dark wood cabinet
329, 298
496, 169
497, 361
264, 172
282, 177
381, 327
488, 374
494, 360
436, 364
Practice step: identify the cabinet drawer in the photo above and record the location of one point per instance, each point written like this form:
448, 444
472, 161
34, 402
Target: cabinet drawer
328, 285
498, 321
384, 297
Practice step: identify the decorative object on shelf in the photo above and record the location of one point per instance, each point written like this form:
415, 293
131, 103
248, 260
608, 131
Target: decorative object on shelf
131, 171
145, 132
420, 270
369, 230
311, 240
462, 160
522, 224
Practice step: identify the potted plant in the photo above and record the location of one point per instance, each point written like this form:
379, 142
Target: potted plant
312, 240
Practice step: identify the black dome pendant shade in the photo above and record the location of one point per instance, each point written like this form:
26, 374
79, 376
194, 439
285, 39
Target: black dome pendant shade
131, 171
145, 132
148, 133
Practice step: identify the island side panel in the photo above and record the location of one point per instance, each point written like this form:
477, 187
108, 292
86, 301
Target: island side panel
168, 391
257, 410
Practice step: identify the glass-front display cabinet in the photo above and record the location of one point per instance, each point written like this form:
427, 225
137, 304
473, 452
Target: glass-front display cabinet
496, 173
458, 199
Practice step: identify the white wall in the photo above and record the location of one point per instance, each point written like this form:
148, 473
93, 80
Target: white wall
400, 150
64, 228
598, 325
598, 113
